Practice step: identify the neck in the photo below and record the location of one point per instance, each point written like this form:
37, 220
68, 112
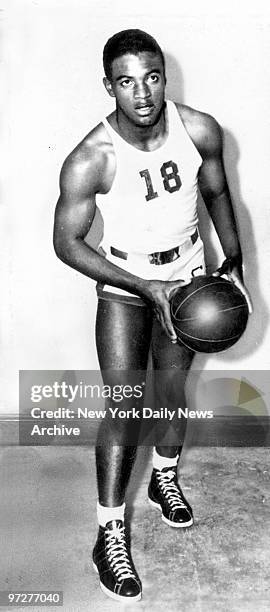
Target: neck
145, 137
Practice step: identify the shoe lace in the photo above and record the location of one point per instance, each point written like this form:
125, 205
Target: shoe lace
117, 553
171, 489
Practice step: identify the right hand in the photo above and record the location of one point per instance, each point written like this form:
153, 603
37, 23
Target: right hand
234, 273
159, 294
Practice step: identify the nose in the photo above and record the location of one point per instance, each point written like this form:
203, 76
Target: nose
142, 91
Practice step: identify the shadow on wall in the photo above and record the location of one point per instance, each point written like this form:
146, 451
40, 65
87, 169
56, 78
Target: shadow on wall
258, 323
175, 80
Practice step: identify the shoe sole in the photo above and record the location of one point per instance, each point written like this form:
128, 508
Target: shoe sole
167, 521
115, 596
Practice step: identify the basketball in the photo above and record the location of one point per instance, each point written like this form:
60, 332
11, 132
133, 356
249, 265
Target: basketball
209, 315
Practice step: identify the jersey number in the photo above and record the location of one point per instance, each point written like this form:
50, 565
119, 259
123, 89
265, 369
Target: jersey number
171, 180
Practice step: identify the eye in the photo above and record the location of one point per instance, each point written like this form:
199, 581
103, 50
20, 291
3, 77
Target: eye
126, 83
153, 78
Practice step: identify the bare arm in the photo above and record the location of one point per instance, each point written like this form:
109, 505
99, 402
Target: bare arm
80, 179
84, 174
214, 189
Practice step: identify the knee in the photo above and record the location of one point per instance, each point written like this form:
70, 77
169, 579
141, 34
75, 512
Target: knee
170, 388
121, 424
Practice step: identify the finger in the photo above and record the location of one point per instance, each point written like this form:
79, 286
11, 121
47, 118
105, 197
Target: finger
220, 272
248, 299
168, 324
249, 303
157, 315
182, 282
225, 268
168, 331
175, 285
243, 290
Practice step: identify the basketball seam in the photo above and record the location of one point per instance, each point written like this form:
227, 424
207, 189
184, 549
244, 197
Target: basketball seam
189, 347
222, 310
205, 339
195, 291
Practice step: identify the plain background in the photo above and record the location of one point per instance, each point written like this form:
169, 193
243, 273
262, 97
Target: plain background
217, 61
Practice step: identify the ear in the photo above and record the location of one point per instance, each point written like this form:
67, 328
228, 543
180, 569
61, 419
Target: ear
108, 86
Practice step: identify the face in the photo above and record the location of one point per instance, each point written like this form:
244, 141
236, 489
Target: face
138, 84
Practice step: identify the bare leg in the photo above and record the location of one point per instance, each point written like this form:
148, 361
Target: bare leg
171, 363
123, 334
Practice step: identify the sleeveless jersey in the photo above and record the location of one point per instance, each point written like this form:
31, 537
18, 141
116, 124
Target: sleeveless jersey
152, 204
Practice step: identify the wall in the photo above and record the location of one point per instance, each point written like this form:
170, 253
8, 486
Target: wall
217, 60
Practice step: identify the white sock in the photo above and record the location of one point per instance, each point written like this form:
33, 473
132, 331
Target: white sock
106, 514
160, 462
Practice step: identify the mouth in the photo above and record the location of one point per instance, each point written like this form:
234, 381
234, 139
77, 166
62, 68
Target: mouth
144, 109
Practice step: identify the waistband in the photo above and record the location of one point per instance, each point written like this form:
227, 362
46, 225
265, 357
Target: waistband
160, 258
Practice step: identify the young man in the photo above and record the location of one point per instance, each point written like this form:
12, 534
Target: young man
142, 164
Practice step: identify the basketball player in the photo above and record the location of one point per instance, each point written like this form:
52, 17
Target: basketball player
142, 165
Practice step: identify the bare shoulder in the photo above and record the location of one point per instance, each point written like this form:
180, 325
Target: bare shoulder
90, 165
203, 129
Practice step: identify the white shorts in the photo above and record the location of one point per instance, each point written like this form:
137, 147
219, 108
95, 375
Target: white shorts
190, 263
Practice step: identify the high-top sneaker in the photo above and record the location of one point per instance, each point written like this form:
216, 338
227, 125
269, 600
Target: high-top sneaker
165, 494
113, 562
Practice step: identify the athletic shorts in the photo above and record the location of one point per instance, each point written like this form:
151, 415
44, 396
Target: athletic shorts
189, 264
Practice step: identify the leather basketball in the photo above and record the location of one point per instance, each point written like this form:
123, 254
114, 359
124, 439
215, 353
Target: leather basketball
209, 315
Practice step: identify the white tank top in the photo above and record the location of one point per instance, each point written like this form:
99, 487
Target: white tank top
152, 204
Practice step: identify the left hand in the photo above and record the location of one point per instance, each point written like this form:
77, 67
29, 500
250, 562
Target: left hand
234, 274
159, 294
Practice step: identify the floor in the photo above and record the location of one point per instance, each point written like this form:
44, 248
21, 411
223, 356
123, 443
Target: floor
48, 528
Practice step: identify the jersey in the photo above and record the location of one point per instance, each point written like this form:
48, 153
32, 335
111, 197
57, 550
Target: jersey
152, 204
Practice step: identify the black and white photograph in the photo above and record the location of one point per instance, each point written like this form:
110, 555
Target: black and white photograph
135, 387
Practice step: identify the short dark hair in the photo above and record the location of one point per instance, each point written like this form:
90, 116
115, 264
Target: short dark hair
128, 41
